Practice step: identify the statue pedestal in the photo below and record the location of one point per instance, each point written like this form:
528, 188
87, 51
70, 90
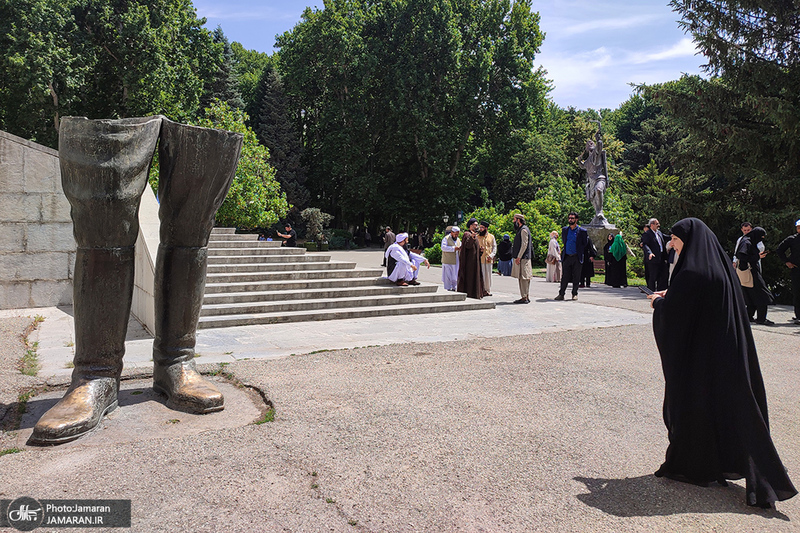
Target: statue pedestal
598, 233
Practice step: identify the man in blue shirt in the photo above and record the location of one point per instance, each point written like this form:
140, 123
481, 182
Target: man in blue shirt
575, 239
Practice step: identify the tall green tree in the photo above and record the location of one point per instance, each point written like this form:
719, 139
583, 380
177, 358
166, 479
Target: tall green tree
277, 129
392, 94
223, 84
249, 66
101, 59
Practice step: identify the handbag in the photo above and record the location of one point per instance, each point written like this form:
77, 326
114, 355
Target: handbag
745, 277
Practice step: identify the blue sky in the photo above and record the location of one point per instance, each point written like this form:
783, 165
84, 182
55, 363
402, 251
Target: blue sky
592, 50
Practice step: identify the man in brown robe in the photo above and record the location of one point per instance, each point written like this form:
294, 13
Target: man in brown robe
469, 263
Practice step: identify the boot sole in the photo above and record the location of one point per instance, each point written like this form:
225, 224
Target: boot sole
43, 441
186, 408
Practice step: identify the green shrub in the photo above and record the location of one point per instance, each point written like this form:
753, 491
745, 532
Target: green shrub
434, 253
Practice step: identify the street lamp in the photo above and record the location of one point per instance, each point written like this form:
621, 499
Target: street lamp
445, 218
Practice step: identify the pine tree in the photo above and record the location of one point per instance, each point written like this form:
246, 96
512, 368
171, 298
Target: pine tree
223, 85
271, 119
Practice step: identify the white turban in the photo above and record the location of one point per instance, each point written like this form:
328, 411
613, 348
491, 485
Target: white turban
797, 223
401, 237
454, 228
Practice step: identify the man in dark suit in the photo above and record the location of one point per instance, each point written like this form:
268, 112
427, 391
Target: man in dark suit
575, 239
656, 257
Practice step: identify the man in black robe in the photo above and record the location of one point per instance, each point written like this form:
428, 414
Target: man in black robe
470, 280
715, 405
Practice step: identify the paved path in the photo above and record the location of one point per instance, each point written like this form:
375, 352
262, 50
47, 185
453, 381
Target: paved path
539, 417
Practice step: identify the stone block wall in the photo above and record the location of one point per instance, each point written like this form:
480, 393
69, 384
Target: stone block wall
37, 248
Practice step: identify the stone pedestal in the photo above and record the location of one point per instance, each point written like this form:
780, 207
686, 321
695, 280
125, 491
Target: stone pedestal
599, 234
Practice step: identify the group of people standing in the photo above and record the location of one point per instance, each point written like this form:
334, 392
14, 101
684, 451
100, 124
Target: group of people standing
467, 259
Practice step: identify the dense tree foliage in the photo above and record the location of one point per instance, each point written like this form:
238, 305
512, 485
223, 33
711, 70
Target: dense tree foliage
99, 59
223, 85
277, 129
392, 93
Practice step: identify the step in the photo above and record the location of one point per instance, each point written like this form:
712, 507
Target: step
296, 284
251, 277
263, 252
276, 267
257, 251
334, 292
355, 312
251, 308
242, 237
265, 259
270, 245
223, 231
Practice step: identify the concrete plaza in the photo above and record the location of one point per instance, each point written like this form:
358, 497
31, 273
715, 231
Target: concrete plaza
539, 417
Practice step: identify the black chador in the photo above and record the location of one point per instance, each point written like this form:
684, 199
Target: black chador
715, 405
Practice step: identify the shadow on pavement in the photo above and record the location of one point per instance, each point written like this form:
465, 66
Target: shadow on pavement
651, 496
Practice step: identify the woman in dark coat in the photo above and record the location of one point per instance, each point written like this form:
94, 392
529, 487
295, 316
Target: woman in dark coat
758, 296
715, 405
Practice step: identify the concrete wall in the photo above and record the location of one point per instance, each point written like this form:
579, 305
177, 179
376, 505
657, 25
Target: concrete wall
143, 306
37, 249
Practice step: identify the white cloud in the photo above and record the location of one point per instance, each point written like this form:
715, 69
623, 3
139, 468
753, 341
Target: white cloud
608, 24
683, 48
601, 78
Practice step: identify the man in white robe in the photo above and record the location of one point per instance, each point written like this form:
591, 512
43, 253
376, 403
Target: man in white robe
404, 271
451, 244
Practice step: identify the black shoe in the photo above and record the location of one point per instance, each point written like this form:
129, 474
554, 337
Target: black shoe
581, 286
560, 297
765, 322
527, 300
413, 282
520, 301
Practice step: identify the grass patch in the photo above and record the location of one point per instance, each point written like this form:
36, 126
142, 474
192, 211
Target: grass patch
330, 500
69, 364
8, 451
221, 371
269, 416
318, 351
599, 278
29, 362
173, 421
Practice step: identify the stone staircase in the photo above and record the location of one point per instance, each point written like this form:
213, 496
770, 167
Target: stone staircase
259, 282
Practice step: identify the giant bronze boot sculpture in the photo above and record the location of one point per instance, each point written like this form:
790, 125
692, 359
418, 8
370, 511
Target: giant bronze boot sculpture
197, 166
104, 166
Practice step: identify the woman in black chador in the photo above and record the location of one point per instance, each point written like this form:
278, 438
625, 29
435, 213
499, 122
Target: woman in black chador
757, 297
715, 406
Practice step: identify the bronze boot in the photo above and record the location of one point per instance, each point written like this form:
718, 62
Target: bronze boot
104, 165
197, 166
